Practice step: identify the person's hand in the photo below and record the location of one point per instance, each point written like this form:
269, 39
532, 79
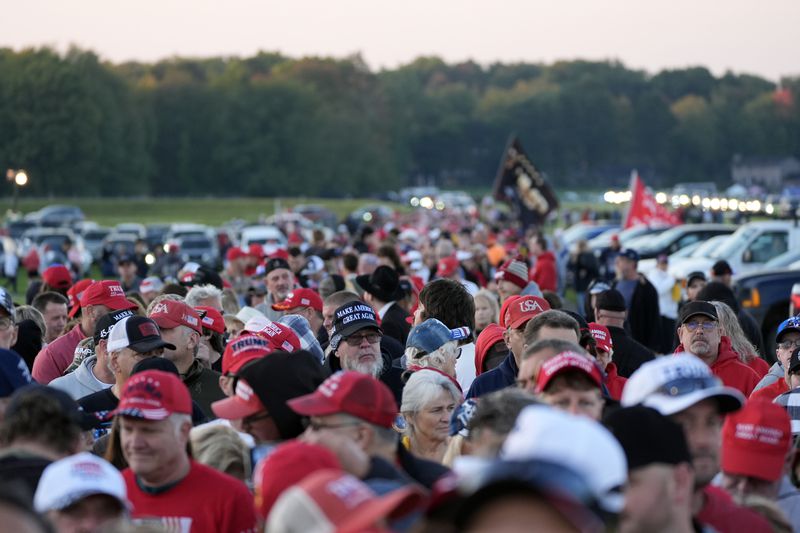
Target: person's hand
352, 458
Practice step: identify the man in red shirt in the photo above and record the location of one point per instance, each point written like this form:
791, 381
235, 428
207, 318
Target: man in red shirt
165, 485
683, 388
99, 299
786, 342
700, 335
544, 272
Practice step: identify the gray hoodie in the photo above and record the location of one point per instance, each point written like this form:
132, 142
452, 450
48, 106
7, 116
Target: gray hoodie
775, 373
82, 381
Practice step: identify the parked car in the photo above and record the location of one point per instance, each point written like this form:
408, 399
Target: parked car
269, 237
679, 237
767, 294
603, 241
16, 228
49, 246
156, 235
93, 239
56, 216
200, 249
753, 244
131, 228
317, 214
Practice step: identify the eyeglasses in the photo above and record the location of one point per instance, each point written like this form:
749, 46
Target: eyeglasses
681, 386
6, 322
693, 325
788, 345
356, 340
315, 425
250, 420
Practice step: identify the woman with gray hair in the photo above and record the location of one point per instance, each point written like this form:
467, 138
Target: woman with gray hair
748, 354
429, 399
432, 344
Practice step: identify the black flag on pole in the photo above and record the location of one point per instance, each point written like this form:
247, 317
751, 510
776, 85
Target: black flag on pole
522, 186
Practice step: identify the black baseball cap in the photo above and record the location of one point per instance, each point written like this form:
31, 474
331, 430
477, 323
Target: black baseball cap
137, 333
629, 253
698, 308
275, 263
352, 317
695, 275
611, 300
721, 268
106, 322
648, 437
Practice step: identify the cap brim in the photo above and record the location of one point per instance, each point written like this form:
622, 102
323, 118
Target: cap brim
283, 306
785, 330
313, 404
757, 465
151, 344
394, 504
165, 322
703, 313
728, 400
233, 409
352, 328
118, 304
143, 414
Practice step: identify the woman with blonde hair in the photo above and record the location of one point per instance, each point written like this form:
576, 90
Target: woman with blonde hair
748, 353
487, 310
429, 399
220, 447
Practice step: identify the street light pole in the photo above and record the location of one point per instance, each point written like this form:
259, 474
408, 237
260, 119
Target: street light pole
19, 178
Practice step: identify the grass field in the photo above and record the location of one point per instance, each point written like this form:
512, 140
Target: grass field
212, 211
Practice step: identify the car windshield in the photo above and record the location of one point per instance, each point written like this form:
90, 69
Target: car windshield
732, 245
195, 244
710, 248
783, 260
665, 239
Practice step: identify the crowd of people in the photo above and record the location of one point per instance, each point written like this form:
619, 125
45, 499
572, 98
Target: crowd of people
428, 377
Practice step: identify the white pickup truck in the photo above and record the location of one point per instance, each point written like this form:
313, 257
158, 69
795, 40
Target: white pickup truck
748, 249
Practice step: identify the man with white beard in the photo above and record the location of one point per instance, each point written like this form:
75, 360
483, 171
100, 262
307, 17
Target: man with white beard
356, 345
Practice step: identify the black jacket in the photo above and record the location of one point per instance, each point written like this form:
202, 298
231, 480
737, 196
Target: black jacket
628, 354
394, 324
504, 375
644, 316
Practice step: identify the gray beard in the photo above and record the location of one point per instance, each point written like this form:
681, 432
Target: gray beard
373, 369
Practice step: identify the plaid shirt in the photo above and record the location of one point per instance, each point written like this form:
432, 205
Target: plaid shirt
308, 340
791, 401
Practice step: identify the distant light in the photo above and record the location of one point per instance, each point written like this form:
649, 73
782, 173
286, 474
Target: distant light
715, 204
733, 204
683, 199
440, 205
609, 197
696, 200
367, 216
415, 202
21, 178
756, 205
706, 203
661, 198
426, 202
149, 259
769, 209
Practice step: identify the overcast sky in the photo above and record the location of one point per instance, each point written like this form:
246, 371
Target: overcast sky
757, 37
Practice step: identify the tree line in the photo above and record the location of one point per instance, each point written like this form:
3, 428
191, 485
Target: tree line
273, 125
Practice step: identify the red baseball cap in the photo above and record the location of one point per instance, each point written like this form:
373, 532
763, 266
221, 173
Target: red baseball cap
504, 308
491, 335
288, 464
602, 337
212, 319
755, 440
243, 349
106, 292
234, 253
353, 393
300, 298
332, 500
74, 294
170, 314
566, 361
447, 266
523, 309
57, 276
279, 336
154, 395
241, 405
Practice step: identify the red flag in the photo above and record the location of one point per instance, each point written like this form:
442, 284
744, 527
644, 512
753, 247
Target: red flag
643, 207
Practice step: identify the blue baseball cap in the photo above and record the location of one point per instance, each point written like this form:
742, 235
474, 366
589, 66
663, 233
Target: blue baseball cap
6, 302
790, 324
432, 334
629, 253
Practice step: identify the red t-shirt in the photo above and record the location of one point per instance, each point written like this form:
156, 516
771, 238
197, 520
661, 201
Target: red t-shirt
771, 391
204, 501
720, 512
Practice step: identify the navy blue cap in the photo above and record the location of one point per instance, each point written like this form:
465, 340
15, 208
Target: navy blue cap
629, 253
6, 302
459, 421
432, 334
790, 324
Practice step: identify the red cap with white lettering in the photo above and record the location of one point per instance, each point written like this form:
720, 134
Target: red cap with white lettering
523, 309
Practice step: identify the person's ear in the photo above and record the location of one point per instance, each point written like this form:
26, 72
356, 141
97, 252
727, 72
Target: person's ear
193, 340
113, 363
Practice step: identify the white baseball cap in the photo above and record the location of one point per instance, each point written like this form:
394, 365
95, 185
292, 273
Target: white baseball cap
673, 383
575, 442
73, 478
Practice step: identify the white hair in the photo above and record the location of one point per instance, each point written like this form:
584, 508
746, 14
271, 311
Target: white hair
198, 293
436, 359
178, 420
423, 386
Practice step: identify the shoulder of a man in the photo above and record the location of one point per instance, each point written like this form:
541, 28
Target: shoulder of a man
720, 512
